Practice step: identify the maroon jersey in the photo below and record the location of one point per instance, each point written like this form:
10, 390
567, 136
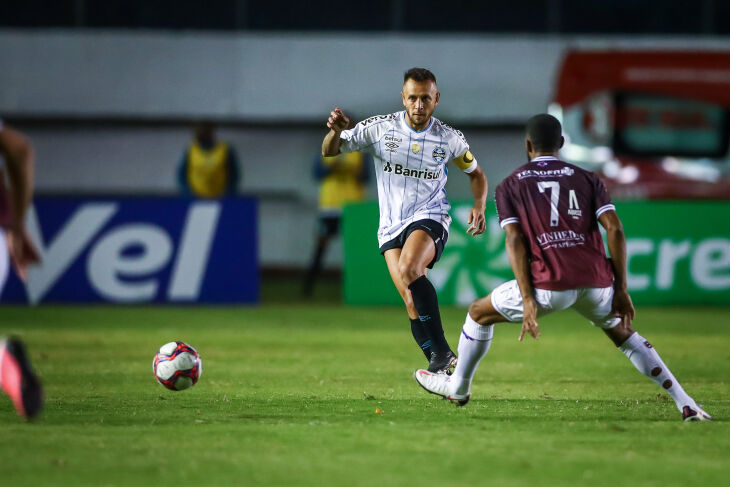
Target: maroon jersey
558, 205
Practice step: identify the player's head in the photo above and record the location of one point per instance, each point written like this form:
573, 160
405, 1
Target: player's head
420, 96
543, 135
205, 133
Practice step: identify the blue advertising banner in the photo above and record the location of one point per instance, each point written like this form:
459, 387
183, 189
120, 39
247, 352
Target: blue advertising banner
141, 250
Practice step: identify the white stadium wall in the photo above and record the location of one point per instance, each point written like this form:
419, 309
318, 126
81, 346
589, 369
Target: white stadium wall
269, 77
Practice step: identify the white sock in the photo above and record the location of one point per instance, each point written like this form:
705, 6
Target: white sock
474, 344
648, 362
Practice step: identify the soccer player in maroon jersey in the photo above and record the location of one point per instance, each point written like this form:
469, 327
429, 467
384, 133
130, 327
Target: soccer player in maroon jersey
550, 211
16, 376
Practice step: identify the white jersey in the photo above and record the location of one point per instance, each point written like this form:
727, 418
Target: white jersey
410, 168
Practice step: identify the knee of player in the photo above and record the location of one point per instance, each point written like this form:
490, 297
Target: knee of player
409, 272
477, 311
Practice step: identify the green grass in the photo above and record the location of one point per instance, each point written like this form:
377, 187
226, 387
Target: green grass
289, 393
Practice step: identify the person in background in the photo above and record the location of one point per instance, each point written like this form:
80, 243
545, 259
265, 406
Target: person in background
17, 378
342, 179
209, 167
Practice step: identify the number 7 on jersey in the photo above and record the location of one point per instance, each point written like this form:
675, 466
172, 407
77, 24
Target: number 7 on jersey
554, 188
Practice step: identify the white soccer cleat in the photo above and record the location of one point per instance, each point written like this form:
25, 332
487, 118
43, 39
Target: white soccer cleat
439, 384
695, 414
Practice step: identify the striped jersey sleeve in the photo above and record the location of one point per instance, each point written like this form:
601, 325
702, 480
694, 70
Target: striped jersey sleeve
364, 136
506, 211
460, 153
602, 200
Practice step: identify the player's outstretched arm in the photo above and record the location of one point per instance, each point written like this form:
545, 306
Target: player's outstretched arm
478, 183
616, 241
518, 259
18, 153
337, 122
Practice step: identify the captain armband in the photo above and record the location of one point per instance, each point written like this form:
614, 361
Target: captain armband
466, 162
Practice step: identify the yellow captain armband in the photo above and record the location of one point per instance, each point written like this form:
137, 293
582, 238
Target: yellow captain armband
466, 162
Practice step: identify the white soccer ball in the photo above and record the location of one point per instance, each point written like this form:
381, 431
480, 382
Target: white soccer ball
177, 366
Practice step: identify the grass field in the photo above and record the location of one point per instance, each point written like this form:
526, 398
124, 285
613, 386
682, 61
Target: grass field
289, 396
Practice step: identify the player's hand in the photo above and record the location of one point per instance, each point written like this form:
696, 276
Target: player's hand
622, 307
22, 251
476, 221
529, 319
338, 121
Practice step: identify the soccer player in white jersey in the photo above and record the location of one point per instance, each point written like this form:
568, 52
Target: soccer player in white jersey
550, 211
411, 149
16, 376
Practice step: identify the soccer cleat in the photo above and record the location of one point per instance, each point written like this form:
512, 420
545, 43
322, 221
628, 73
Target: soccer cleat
696, 414
18, 380
439, 384
443, 363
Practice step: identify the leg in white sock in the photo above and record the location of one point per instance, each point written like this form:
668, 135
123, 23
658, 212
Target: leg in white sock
648, 362
474, 344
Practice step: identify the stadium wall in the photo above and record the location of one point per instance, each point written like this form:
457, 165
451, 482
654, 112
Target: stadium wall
271, 77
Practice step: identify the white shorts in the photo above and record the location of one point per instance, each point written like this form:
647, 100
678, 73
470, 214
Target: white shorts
4, 260
594, 303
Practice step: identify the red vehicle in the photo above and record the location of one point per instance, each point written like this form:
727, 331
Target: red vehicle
655, 124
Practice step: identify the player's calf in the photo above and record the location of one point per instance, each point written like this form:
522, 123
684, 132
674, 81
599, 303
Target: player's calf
425, 301
421, 336
482, 311
647, 361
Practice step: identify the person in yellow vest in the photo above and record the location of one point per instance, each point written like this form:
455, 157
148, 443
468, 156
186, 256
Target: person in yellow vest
343, 179
209, 168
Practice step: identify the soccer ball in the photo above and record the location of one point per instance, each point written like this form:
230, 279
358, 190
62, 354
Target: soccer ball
177, 366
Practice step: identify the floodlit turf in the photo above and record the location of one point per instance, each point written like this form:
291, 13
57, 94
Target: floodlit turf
289, 395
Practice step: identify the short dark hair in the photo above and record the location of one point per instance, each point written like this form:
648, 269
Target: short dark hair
544, 131
419, 74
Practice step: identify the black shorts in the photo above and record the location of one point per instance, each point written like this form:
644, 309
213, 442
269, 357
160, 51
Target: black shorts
433, 228
329, 226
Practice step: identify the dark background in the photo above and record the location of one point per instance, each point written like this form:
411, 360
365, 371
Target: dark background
689, 17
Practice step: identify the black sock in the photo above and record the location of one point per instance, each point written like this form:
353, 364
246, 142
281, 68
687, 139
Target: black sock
420, 334
427, 306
